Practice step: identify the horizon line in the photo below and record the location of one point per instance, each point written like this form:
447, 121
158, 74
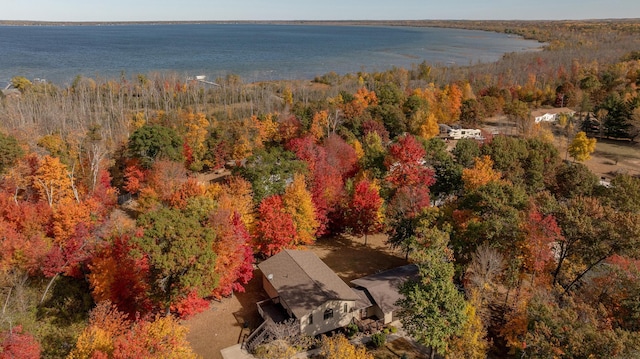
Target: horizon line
2, 21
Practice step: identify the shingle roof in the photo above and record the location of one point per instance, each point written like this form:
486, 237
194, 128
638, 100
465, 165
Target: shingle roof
384, 287
303, 281
363, 301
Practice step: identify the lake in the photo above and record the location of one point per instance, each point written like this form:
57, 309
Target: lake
255, 52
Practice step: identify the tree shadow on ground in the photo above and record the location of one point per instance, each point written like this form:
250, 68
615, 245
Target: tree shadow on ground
253, 294
351, 259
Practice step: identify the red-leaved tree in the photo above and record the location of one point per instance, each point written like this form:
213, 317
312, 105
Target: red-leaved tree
326, 179
541, 232
405, 164
364, 209
275, 229
119, 277
15, 344
341, 156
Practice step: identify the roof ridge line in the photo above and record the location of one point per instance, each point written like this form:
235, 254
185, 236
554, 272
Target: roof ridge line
304, 271
316, 282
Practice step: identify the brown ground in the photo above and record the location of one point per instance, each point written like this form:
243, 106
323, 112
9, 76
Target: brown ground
222, 325
612, 156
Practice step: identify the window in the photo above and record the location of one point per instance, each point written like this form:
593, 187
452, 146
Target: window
311, 318
346, 308
328, 314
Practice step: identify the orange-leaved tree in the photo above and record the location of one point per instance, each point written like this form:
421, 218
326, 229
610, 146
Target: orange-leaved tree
53, 181
161, 338
97, 340
234, 261
236, 195
111, 335
480, 174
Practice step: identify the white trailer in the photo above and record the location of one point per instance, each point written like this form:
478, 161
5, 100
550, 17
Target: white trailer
457, 134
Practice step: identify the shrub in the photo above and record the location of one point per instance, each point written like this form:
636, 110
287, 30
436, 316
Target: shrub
393, 329
352, 329
378, 339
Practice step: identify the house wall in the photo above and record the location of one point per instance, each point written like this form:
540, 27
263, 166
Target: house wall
388, 317
377, 312
320, 325
271, 291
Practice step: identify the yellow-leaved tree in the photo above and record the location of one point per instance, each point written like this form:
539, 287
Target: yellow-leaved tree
53, 181
106, 323
319, 125
339, 347
267, 127
429, 127
357, 147
471, 343
237, 196
480, 174
582, 147
111, 335
197, 129
297, 202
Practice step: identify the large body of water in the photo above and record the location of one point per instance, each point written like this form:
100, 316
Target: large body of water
255, 52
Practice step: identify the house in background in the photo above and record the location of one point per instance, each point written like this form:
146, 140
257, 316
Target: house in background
303, 287
551, 114
381, 291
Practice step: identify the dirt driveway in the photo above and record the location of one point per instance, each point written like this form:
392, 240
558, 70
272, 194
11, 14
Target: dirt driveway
223, 324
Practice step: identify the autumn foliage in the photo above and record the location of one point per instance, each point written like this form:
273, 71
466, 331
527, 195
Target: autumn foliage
235, 254
275, 229
480, 174
15, 344
363, 213
110, 335
405, 164
117, 276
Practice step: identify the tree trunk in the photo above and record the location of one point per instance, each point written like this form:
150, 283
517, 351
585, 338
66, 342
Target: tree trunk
44, 295
566, 289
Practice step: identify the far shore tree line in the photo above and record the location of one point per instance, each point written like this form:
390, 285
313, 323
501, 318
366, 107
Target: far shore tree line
520, 252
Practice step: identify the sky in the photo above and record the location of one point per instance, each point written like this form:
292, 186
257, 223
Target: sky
194, 10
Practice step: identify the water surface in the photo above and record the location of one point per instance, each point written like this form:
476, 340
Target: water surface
254, 51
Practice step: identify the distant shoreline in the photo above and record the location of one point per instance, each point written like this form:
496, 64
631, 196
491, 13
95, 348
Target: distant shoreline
418, 23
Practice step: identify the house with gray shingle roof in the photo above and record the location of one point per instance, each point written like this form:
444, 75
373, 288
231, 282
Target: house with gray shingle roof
303, 287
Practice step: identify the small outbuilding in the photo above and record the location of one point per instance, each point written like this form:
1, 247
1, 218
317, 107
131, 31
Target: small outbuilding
382, 292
